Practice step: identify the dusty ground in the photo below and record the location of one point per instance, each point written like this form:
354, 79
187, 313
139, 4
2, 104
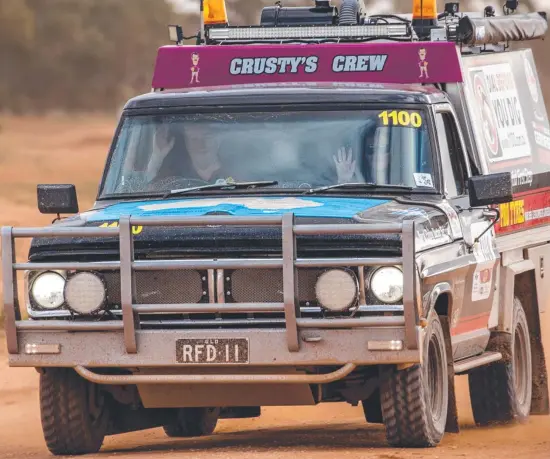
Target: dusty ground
73, 151
326, 431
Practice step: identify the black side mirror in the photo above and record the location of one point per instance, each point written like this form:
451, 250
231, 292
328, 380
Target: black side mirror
57, 199
486, 190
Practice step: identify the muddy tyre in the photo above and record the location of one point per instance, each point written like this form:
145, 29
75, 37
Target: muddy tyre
415, 400
501, 391
193, 422
74, 413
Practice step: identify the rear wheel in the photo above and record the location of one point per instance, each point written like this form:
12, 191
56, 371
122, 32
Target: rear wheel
193, 422
501, 392
415, 400
74, 412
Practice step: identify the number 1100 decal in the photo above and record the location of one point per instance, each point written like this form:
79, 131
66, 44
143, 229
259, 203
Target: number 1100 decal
400, 118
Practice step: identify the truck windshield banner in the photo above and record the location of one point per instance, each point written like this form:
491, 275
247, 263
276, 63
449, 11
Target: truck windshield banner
179, 67
510, 122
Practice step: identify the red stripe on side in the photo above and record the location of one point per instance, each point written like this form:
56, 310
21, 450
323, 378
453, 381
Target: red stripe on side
471, 323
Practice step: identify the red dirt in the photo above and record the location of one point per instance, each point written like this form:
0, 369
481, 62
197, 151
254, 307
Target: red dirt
73, 151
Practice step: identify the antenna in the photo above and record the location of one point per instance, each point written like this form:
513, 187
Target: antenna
201, 33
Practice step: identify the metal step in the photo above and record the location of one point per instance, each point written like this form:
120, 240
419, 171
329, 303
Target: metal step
462, 366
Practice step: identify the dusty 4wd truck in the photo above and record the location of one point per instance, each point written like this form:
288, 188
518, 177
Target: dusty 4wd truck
358, 218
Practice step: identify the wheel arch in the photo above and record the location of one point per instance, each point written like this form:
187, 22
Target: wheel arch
440, 300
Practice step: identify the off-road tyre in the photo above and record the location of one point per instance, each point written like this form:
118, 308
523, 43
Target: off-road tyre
74, 413
415, 400
193, 422
501, 392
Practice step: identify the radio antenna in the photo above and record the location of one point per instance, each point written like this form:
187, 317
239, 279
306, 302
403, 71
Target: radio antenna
202, 31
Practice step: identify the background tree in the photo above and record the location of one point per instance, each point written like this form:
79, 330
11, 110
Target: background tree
87, 55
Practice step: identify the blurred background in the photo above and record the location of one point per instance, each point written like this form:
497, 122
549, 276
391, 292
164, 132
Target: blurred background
68, 66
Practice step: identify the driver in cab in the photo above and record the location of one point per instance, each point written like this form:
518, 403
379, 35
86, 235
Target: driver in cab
199, 161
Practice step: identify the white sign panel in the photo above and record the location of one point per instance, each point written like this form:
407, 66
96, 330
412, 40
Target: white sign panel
502, 122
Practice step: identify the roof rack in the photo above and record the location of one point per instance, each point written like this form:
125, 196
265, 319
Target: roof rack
375, 49
325, 23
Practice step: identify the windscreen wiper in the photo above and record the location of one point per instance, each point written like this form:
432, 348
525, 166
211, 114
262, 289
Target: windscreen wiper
360, 187
221, 186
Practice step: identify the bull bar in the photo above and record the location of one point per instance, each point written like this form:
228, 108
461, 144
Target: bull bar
289, 262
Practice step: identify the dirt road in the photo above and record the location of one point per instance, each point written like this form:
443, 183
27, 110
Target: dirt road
326, 431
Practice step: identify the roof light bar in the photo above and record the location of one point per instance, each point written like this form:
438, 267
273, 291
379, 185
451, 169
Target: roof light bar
309, 32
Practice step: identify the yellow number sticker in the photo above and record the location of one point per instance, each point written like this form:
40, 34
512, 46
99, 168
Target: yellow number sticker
400, 118
135, 229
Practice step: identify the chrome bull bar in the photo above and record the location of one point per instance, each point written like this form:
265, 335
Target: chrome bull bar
289, 262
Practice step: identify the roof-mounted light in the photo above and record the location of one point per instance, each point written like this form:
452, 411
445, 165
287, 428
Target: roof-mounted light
424, 9
214, 12
309, 32
176, 33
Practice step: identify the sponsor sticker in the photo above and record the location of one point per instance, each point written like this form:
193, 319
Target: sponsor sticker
484, 249
512, 213
135, 229
432, 237
502, 121
486, 255
423, 180
526, 212
249, 203
408, 211
481, 284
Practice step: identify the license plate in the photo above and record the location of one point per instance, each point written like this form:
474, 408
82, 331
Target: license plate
212, 351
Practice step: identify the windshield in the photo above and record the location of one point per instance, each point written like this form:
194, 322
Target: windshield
307, 149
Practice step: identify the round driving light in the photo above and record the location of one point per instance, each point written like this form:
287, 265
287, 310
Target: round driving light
85, 293
47, 290
387, 284
337, 290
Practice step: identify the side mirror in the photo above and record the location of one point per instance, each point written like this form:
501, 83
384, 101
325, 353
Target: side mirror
486, 190
57, 199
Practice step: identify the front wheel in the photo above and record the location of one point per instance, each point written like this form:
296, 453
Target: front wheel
74, 412
193, 422
501, 392
415, 400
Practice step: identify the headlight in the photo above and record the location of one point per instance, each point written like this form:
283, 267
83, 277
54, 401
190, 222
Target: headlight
47, 290
85, 293
337, 290
387, 284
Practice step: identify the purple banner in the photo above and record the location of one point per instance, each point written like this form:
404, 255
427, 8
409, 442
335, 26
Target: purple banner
179, 67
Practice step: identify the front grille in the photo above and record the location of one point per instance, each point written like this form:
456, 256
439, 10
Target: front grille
161, 287
266, 285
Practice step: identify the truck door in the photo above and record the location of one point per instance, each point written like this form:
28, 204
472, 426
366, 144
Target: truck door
470, 317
